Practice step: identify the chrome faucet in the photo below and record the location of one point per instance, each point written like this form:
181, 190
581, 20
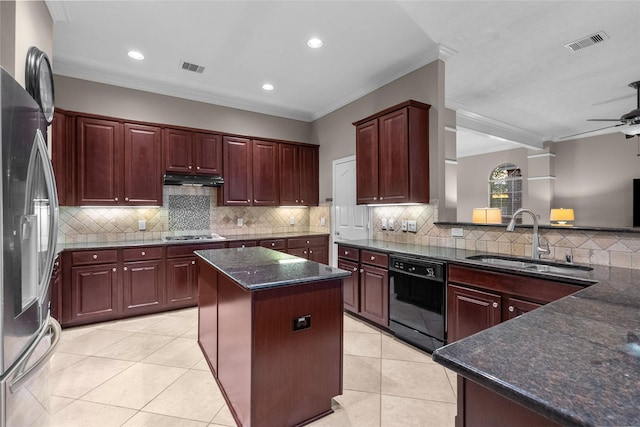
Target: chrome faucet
536, 250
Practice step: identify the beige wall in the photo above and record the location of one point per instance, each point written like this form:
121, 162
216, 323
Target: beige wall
594, 176
23, 24
97, 98
336, 134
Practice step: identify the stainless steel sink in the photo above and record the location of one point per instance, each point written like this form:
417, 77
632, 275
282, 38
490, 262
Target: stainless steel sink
530, 264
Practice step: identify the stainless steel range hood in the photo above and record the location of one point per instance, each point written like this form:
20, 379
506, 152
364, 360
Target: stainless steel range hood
193, 180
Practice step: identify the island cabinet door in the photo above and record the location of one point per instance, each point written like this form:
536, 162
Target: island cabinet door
470, 311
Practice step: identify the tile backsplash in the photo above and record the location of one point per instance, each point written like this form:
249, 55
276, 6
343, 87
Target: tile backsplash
618, 249
185, 210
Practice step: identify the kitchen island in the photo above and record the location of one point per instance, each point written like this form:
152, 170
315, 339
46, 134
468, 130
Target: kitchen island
573, 362
270, 328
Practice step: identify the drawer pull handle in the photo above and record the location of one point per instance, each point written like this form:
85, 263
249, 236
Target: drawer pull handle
511, 309
143, 253
495, 305
95, 256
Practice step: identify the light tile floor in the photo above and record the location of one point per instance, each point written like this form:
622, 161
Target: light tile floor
149, 371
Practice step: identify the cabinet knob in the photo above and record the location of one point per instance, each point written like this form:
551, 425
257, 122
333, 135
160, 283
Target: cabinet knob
190, 167
373, 258
310, 252
362, 270
113, 269
143, 253
296, 200
495, 305
273, 244
248, 201
193, 263
355, 269
301, 201
307, 242
511, 308
381, 197
125, 269
375, 198
304, 252
198, 167
126, 199
242, 246
116, 199
57, 263
346, 252
95, 256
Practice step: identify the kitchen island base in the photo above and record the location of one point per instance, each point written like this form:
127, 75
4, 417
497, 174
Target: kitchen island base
275, 352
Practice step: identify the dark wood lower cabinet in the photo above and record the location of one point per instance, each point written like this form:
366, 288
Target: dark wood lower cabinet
351, 285
94, 292
471, 311
374, 294
143, 290
181, 281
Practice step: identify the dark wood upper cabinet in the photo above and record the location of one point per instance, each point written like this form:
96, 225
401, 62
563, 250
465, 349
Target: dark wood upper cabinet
237, 189
265, 170
309, 175
298, 175
99, 168
60, 156
392, 155
189, 152
178, 150
142, 172
207, 150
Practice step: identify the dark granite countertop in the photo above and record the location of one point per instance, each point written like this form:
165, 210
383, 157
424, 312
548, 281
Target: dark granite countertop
156, 242
259, 268
575, 360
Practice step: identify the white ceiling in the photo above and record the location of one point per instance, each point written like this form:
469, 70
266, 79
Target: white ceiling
508, 74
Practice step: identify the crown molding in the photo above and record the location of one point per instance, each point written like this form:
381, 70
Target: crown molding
484, 125
58, 11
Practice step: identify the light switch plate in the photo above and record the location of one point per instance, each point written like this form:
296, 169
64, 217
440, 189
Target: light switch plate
323, 221
390, 224
240, 222
292, 220
384, 223
404, 225
142, 225
457, 232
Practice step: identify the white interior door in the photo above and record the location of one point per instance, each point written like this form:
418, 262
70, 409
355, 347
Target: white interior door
349, 221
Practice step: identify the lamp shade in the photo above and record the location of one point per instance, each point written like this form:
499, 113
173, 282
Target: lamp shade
486, 216
561, 216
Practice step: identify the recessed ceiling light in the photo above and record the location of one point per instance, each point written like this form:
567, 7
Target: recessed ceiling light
314, 43
267, 86
135, 55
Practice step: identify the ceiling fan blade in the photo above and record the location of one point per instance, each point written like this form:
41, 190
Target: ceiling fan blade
590, 131
603, 120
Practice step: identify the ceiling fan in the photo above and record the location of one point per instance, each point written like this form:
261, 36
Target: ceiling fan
631, 120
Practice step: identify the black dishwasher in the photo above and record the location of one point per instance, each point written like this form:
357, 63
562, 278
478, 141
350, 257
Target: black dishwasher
417, 300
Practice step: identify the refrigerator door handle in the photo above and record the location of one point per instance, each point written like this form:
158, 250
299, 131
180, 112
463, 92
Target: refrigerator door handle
22, 373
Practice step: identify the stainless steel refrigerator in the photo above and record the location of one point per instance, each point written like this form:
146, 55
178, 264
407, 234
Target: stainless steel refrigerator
29, 228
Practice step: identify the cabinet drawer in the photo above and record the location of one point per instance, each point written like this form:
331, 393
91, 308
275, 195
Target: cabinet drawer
374, 258
94, 257
186, 250
305, 242
276, 244
348, 252
243, 244
141, 254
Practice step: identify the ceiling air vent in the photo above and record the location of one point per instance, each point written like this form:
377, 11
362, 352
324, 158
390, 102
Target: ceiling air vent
192, 67
587, 41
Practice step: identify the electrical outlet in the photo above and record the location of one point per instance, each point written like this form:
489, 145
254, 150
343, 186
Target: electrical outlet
292, 220
404, 225
323, 221
412, 227
457, 232
142, 225
240, 222
390, 224
384, 223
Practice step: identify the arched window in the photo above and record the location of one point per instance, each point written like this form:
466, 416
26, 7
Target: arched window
505, 189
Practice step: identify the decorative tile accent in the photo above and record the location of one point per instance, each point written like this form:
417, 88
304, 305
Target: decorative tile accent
188, 213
